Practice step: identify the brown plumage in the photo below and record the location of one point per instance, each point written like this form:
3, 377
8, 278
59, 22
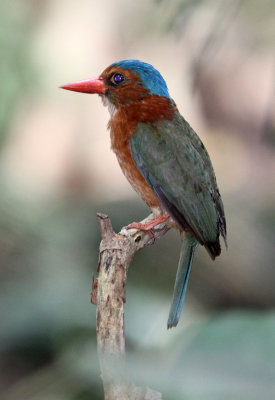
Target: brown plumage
122, 126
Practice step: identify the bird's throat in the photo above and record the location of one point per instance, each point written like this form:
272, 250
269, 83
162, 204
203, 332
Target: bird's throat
107, 103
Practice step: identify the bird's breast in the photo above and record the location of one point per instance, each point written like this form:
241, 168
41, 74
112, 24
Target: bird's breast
124, 157
123, 124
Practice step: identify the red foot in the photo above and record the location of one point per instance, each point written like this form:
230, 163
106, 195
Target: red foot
147, 227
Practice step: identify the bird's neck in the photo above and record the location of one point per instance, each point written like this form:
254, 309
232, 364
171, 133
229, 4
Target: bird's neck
125, 118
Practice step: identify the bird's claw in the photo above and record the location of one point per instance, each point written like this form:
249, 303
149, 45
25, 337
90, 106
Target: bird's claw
148, 226
141, 227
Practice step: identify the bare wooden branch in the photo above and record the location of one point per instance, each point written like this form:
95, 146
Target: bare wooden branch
109, 293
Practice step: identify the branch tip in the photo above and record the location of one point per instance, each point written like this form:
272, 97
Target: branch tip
105, 226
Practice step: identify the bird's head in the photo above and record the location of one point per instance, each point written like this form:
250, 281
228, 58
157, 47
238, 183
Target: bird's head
124, 82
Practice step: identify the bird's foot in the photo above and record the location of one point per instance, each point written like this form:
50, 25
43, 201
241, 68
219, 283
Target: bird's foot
148, 226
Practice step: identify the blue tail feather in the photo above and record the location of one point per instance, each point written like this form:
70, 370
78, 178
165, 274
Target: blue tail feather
188, 248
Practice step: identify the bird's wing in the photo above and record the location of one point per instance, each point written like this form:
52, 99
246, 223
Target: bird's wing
175, 164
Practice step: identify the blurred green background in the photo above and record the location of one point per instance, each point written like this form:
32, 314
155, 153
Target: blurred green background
57, 171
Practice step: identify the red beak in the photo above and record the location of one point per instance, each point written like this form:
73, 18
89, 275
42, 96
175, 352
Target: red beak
94, 85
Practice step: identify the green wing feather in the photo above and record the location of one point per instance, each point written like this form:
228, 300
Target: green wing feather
176, 165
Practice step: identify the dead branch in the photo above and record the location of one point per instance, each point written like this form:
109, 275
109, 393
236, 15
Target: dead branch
109, 293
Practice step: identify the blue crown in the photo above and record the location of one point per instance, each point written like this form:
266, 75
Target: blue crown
151, 79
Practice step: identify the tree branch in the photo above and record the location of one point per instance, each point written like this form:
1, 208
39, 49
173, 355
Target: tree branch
109, 293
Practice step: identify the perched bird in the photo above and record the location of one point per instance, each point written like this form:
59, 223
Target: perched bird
163, 159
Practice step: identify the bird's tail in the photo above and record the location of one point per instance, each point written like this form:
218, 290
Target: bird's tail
188, 248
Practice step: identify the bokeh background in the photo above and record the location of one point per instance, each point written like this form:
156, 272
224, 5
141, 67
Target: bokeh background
57, 171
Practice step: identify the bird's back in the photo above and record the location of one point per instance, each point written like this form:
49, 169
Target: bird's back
176, 165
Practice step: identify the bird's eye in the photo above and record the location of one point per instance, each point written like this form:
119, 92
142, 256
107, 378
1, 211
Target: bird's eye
117, 78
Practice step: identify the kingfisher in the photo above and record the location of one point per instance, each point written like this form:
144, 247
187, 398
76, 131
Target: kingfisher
163, 159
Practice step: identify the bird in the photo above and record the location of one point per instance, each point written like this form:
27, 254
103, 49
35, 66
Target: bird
164, 160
